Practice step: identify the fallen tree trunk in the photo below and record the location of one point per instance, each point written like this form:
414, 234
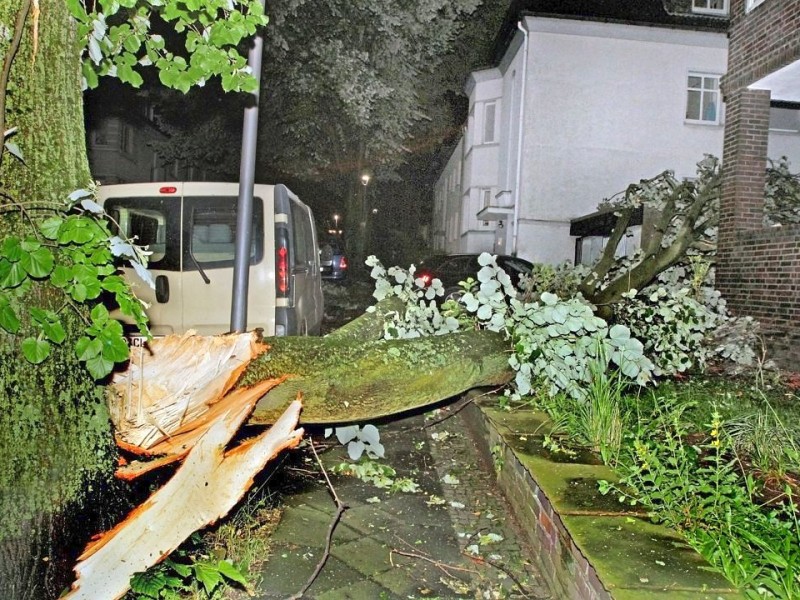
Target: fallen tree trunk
346, 381
208, 484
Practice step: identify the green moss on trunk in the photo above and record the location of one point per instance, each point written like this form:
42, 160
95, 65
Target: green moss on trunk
54, 431
342, 381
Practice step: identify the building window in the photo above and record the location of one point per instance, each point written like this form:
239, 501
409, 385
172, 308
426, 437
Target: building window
710, 7
783, 119
751, 4
126, 138
489, 118
703, 99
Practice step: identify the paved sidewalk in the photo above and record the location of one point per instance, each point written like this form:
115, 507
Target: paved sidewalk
436, 543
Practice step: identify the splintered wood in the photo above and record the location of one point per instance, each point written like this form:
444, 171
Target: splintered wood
206, 486
171, 386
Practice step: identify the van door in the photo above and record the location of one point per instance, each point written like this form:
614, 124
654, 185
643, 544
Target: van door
154, 221
209, 231
305, 271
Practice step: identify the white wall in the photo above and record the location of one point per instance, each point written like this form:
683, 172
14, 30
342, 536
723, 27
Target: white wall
785, 144
605, 107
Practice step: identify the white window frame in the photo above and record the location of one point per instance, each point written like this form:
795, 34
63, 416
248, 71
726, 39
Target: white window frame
718, 102
751, 4
703, 7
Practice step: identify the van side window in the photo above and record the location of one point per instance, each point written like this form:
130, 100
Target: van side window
304, 247
211, 231
151, 222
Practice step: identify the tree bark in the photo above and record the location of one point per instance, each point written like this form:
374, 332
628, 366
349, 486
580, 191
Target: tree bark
342, 381
54, 432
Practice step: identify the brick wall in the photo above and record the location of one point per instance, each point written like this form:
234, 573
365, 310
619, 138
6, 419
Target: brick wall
759, 269
568, 574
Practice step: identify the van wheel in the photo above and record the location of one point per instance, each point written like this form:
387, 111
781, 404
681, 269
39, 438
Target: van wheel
452, 294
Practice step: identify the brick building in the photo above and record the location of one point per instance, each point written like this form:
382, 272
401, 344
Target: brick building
759, 265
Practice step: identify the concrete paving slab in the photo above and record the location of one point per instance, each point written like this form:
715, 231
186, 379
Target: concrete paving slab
400, 545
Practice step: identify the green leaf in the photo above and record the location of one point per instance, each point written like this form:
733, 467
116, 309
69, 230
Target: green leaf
61, 276
50, 324
78, 292
38, 263
12, 249
208, 575
100, 315
99, 367
35, 350
8, 316
15, 151
180, 568
115, 346
49, 227
87, 348
15, 276
149, 583
231, 572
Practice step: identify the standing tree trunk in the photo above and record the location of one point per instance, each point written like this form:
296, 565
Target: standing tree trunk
54, 432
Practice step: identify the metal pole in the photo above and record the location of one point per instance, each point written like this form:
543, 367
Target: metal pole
244, 208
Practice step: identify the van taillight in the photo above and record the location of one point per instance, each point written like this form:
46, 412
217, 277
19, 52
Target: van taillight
167, 189
343, 263
282, 270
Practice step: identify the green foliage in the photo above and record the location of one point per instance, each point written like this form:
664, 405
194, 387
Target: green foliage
71, 253
187, 572
372, 63
769, 445
781, 195
673, 324
421, 316
699, 490
552, 340
119, 40
380, 475
561, 280
595, 421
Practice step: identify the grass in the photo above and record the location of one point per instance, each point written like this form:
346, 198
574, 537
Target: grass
718, 459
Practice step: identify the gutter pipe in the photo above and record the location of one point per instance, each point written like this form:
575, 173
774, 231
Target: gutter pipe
520, 137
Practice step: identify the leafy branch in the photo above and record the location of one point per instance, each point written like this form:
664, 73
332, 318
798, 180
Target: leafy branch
73, 251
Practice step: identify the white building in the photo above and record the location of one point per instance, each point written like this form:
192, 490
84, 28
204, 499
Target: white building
579, 106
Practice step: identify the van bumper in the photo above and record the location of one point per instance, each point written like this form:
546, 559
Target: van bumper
285, 321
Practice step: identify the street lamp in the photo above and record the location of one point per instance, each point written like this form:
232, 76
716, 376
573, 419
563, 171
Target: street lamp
336, 222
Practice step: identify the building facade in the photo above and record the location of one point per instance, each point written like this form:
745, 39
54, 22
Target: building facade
759, 261
121, 136
582, 102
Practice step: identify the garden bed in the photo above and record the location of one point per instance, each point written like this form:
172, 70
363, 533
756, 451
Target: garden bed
587, 545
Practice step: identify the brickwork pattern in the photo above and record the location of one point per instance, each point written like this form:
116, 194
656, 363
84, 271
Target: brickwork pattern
567, 572
761, 41
758, 270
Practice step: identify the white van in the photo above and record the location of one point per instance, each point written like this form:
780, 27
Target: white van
190, 229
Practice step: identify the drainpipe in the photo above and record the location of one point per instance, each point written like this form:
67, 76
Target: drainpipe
520, 136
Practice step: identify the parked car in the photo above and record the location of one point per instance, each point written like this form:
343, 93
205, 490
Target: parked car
333, 261
451, 269
190, 228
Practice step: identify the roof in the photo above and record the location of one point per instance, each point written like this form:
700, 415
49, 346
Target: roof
652, 13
